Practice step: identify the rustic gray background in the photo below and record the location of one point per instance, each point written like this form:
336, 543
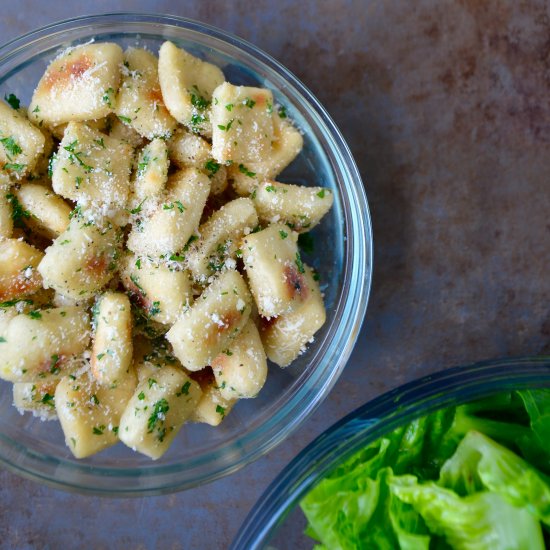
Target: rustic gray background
446, 106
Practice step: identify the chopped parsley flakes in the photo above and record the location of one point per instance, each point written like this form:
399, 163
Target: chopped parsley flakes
184, 389
11, 146
227, 127
137, 209
142, 166
54, 368
212, 166
108, 96
17, 210
13, 101
199, 102
14, 167
75, 156
299, 263
155, 309
48, 399
157, 418
244, 170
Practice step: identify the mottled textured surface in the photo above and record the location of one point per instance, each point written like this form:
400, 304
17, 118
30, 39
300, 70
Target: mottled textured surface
446, 107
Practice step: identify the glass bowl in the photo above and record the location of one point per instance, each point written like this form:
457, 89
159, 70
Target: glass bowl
343, 257
276, 520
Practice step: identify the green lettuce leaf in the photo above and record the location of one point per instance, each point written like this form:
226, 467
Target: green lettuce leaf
467, 419
409, 452
341, 505
535, 446
482, 521
537, 404
362, 513
480, 464
472, 476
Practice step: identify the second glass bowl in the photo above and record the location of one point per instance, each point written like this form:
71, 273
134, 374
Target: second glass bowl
277, 522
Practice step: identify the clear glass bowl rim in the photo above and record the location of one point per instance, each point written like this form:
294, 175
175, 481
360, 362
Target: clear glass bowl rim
371, 421
352, 304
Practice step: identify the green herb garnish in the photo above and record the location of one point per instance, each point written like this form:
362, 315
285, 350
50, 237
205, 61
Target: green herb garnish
199, 102
18, 213
48, 399
13, 101
299, 263
157, 418
137, 209
244, 170
14, 167
11, 146
212, 166
74, 156
227, 127
54, 368
184, 389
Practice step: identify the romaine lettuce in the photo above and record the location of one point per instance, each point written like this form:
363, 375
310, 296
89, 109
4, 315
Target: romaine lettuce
482, 521
472, 476
480, 464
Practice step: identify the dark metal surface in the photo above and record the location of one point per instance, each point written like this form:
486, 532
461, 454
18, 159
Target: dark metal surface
446, 106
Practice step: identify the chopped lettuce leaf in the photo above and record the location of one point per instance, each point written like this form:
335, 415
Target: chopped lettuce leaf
537, 404
533, 451
480, 464
466, 419
482, 521
339, 508
411, 445
471, 476
364, 515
